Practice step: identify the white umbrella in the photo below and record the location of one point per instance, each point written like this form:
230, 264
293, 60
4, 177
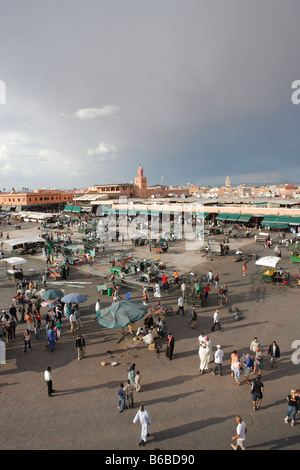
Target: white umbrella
14, 260
268, 261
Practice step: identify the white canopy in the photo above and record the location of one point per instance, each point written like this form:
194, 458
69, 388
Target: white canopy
269, 261
20, 241
14, 260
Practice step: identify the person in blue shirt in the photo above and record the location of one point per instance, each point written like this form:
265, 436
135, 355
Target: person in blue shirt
121, 398
248, 365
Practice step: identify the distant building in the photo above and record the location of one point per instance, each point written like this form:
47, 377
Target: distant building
113, 190
140, 184
39, 198
227, 184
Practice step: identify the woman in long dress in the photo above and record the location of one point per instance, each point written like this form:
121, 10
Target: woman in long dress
203, 355
145, 297
157, 291
170, 346
131, 374
209, 346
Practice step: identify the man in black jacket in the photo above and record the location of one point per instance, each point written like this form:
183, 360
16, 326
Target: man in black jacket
274, 353
80, 345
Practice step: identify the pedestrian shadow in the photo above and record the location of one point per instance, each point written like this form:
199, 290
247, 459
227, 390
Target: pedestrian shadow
175, 432
277, 444
171, 398
169, 383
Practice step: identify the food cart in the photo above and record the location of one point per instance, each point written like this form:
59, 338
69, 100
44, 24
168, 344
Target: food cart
14, 268
270, 273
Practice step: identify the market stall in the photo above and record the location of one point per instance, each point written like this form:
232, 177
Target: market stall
14, 267
269, 271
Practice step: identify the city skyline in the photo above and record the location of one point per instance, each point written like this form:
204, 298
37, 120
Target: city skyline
193, 91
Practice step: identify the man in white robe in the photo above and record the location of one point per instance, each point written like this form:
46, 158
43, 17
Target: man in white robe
144, 418
203, 355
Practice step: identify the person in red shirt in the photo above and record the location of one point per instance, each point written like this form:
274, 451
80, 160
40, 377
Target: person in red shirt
165, 282
207, 290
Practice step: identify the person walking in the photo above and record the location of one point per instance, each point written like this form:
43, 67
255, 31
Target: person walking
144, 417
170, 346
209, 277
292, 407
248, 367
183, 290
48, 379
225, 294
220, 295
216, 321
219, 356
37, 326
258, 361
121, 398
137, 381
236, 367
51, 338
207, 290
128, 389
77, 316
274, 353
257, 389
193, 321
240, 436
13, 312
97, 306
180, 306
203, 355
73, 322
176, 277
26, 341
80, 345
254, 344
131, 373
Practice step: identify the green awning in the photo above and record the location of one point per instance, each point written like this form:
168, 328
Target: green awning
275, 222
76, 208
294, 221
284, 218
270, 218
232, 217
222, 216
244, 218
279, 225
68, 208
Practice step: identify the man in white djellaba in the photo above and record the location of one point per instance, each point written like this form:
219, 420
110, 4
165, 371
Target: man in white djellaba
203, 355
144, 418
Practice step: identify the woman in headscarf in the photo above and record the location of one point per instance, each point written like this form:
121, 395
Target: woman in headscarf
131, 374
170, 346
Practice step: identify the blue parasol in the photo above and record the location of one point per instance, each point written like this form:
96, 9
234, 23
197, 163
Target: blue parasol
74, 298
121, 314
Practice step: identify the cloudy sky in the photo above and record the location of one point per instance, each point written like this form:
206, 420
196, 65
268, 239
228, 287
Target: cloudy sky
194, 90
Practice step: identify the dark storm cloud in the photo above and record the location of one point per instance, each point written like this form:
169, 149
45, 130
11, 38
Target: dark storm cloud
194, 90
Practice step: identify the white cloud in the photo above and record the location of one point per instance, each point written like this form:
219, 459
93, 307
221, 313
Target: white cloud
92, 113
102, 149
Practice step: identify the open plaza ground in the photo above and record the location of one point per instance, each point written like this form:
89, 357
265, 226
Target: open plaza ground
189, 411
